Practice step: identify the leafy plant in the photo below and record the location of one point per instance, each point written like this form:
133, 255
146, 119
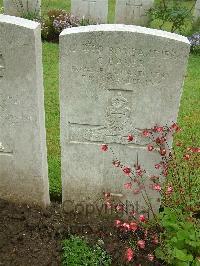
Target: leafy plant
56, 21
195, 42
173, 12
181, 189
76, 251
49, 32
182, 186
180, 240
1, 9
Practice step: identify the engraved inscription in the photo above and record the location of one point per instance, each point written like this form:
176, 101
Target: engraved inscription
11, 116
131, 3
116, 126
119, 66
2, 66
127, 52
121, 75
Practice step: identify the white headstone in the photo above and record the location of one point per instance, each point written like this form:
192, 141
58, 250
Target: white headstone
197, 10
95, 10
114, 80
133, 11
21, 7
23, 157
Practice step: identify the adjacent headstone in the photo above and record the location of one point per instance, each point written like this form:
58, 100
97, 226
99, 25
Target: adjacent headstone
95, 10
133, 11
114, 80
197, 10
22, 7
23, 157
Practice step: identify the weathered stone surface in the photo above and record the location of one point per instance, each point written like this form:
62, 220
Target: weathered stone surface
114, 80
96, 10
132, 11
23, 158
21, 7
197, 10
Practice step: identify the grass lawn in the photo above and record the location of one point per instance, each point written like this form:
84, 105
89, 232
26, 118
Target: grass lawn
51, 74
189, 115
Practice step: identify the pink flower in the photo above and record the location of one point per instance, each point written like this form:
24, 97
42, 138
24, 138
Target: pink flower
157, 166
175, 127
159, 129
133, 226
155, 240
116, 163
141, 244
150, 147
136, 191
163, 152
117, 223
160, 140
139, 172
145, 133
165, 172
194, 150
127, 170
142, 218
157, 187
129, 254
128, 185
104, 147
186, 157
169, 190
197, 150
126, 226
130, 138
150, 257
119, 207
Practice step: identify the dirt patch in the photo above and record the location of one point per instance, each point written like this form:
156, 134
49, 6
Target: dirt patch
32, 236
29, 236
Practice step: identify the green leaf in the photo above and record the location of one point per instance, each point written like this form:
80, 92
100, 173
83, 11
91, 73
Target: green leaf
182, 255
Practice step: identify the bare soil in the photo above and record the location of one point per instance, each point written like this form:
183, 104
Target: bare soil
32, 236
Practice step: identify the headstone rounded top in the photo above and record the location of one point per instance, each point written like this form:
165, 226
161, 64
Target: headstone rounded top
125, 28
19, 21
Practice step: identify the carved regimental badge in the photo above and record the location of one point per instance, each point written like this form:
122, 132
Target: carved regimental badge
117, 126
